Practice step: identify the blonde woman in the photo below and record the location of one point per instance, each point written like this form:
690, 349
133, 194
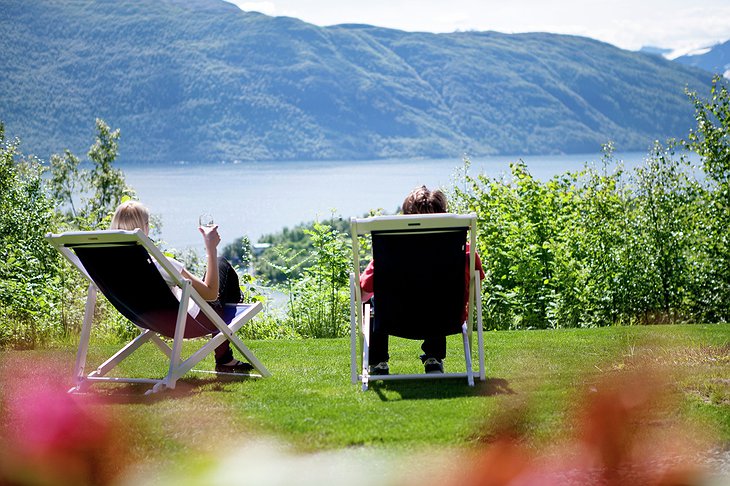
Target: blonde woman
218, 286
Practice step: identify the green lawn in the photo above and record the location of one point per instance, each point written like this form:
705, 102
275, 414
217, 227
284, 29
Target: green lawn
310, 403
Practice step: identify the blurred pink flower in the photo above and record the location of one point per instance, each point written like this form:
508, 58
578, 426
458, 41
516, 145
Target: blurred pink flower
49, 436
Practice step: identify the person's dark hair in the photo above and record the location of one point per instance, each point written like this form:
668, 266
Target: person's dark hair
423, 201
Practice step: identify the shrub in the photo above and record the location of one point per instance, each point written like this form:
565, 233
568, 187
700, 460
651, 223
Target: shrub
319, 297
29, 276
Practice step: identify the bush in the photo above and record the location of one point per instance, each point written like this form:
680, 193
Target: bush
598, 247
29, 267
711, 140
319, 298
41, 295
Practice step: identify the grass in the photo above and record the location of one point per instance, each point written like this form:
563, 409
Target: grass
310, 403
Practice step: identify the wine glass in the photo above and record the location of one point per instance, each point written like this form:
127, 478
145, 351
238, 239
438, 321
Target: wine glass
206, 220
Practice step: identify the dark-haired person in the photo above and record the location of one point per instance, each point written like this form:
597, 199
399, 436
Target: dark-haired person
421, 200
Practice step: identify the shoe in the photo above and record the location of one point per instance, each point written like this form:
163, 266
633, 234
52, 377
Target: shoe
433, 365
380, 369
239, 367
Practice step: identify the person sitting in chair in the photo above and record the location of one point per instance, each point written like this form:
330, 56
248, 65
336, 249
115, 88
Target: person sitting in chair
218, 286
419, 201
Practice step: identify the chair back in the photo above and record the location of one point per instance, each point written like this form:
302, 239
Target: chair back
127, 276
419, 283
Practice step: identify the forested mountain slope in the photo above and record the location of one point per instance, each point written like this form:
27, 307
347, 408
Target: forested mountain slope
202, 81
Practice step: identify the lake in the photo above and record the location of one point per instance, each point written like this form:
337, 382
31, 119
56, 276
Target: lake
257, 198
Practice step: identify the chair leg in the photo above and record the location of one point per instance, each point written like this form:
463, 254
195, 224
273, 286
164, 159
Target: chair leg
246, 352
227, 332
467, 355
480, 330
365, 347
182, 315
353, 330
122, 354
80, 365
166, 350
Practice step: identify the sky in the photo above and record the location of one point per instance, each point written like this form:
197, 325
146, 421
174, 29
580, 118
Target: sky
680, 25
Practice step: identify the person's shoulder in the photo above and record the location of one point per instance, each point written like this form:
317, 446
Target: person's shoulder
179, 267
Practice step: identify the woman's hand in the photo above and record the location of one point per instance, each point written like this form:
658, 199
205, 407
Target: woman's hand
211, 238
209, 288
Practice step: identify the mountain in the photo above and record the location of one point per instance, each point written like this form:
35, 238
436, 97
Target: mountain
715, 60
202, 81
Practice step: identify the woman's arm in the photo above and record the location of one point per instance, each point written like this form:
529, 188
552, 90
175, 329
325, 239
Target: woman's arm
208, 286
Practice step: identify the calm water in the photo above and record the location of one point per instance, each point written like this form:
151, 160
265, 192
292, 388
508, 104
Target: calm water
257, 198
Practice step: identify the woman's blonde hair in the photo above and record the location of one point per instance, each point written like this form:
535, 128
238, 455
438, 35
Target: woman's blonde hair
131, 215
421, 200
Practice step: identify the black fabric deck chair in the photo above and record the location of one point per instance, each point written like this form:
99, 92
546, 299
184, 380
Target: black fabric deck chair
418, 282
120, 264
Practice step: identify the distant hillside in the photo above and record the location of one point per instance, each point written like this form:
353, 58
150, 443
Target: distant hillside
200, 80
716, 60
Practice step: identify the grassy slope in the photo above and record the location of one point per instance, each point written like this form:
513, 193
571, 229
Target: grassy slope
310, 402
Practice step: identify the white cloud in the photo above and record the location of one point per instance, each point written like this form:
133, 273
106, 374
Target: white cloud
687, 52
629, 24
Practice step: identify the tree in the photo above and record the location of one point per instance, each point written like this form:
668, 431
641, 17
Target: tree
104, 182
319, 297
711, 140
65, 180
665, 228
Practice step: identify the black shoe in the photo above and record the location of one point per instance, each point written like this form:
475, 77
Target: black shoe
239, 367
380, 369
433, 365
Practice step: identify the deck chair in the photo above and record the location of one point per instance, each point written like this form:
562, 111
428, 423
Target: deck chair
419, 286
119, 264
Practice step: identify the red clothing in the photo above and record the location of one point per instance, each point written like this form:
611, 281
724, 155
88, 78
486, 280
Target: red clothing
366, 279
